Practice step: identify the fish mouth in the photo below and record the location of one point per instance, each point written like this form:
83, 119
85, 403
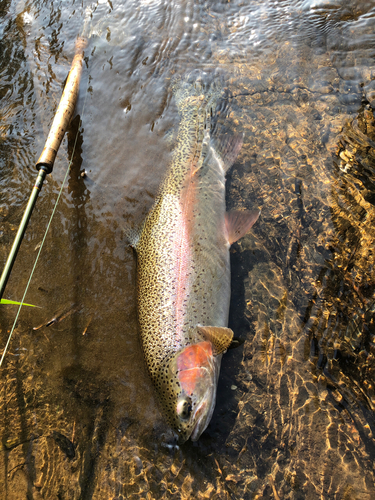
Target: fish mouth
199, 426
202, 415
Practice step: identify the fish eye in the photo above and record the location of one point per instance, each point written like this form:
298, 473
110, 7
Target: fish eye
184, 408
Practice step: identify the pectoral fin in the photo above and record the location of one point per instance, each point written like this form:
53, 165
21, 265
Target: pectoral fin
238, 223
220, 337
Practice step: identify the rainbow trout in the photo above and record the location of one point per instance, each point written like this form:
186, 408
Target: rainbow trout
183, 269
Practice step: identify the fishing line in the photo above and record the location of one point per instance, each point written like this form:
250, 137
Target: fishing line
46, 231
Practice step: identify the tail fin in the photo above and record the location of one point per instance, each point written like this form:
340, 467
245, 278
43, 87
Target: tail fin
196, 88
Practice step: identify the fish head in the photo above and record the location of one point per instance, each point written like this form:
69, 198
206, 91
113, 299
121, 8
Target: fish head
190, 389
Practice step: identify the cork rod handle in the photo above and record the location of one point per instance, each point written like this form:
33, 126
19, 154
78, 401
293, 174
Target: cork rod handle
64, 111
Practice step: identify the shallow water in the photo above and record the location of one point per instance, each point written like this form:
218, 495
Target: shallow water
295, 411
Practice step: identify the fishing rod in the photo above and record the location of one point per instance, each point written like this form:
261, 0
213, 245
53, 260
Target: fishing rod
46, 160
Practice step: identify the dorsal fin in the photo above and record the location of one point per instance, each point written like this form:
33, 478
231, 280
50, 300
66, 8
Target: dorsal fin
238, 223
219, 336
133, 234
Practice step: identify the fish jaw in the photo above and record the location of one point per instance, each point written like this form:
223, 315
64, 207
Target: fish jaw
195, 369
203, 413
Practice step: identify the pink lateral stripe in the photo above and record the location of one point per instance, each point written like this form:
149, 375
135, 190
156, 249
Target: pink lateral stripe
181, 265
182, 255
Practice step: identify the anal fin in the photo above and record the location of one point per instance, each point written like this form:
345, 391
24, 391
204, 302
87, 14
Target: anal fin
219, 336
238, 223
228, 146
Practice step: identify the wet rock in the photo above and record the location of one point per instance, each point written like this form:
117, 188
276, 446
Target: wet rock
369, 91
